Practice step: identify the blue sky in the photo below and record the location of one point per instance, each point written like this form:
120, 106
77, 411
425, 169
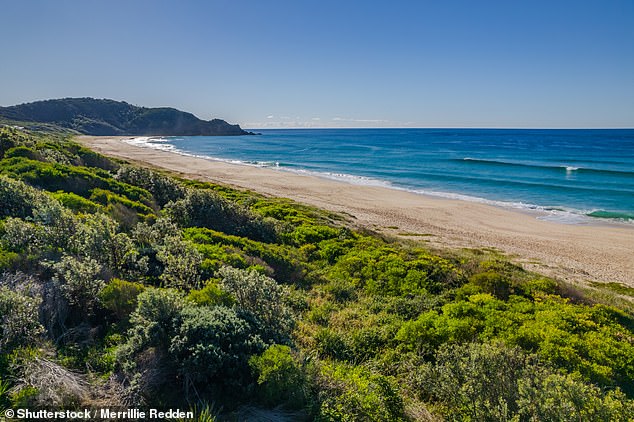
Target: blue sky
332, 63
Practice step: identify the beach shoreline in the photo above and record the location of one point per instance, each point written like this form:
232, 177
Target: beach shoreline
575, 253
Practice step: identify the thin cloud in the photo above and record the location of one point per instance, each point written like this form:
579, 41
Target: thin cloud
343, 119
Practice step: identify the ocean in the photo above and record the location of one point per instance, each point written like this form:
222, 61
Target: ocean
572, 176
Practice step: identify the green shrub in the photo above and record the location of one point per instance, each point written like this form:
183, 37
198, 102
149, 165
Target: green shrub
24, 397
494, 382
575, 337
7, 259
105, 197
88, 158
214, 345
310, 233
82, 181
5, 401
262, 297
211, 295
330, 344
341, 290
164, 189
155, 320
120, 297
292, 213
280, 377
539, 286
386, 270
321, 314
181, 262
22, 151
239, 252
492, 282
10, 138
204, 208
79, 281
202, 346
19, 319
218, 255
353, 394
554, 396
19, 199
76, 202
330, 250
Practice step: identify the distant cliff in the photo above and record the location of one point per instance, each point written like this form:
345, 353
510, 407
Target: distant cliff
91, 116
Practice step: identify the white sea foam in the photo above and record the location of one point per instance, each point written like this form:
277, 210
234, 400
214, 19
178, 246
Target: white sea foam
343, 177
559, 215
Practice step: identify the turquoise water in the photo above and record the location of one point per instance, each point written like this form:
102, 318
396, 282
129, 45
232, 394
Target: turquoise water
573, 175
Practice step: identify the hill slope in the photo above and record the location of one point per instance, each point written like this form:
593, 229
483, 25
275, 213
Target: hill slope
108, 117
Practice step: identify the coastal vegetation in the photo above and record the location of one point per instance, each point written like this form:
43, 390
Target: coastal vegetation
124, 287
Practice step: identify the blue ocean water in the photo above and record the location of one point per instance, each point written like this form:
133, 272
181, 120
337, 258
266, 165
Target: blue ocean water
569, 174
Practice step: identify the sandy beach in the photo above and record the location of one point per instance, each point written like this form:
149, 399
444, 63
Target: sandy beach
576, 253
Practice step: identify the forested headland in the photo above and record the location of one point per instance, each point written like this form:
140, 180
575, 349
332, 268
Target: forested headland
126, 287
91, 116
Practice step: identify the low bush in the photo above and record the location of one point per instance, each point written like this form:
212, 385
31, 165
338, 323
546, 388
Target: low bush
19, 318
280, 377
120, 297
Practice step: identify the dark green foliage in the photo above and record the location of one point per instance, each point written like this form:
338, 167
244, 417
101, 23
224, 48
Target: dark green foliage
79, 281
49, 230
105, 197
207, 346
22, 151
205, 208
214, 345
156, 318
7, 259
558, 396
263, 298
107, 117
5, 402
164, 189
181, 263
18, 199
492, 282
98, 237
84, 157
330, 344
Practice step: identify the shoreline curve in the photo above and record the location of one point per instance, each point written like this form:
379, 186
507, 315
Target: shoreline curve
575, 253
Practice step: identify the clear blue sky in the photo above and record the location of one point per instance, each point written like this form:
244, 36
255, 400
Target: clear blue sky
332, 63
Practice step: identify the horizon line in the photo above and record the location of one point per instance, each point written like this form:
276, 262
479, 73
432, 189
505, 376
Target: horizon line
440, 127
